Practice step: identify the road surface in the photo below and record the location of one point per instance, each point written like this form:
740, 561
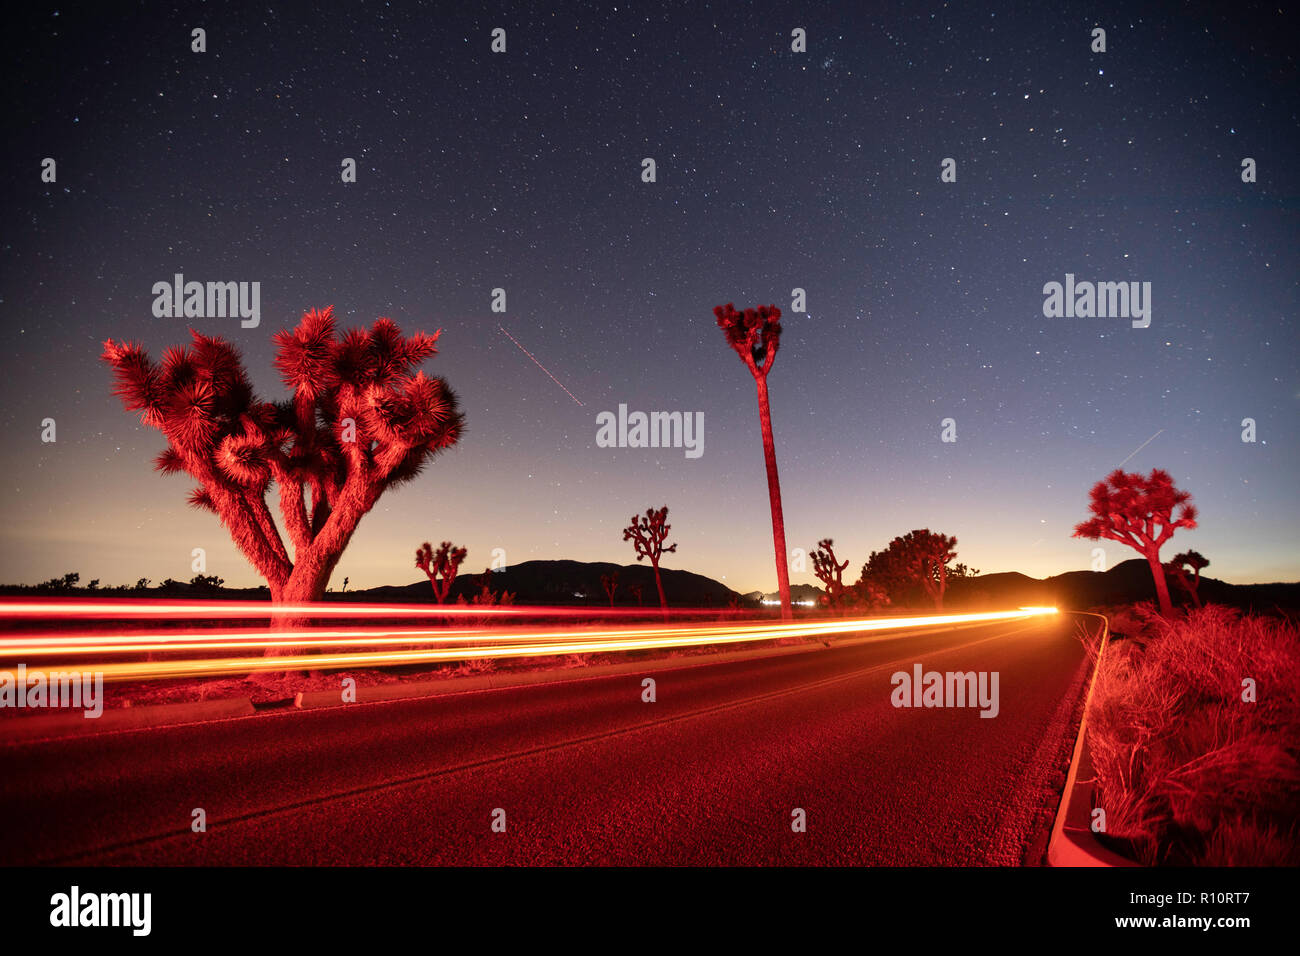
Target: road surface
714, 771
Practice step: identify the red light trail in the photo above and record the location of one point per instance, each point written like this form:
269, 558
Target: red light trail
385, 646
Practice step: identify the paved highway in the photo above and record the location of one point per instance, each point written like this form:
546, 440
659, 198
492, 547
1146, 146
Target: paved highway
587, 772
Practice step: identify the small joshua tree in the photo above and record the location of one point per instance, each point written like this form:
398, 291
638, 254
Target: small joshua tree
360, 420
1138, 511
637, 591
486, 597
755, 334
440, 566
1178, 568
610, 583
829, 571
647, 533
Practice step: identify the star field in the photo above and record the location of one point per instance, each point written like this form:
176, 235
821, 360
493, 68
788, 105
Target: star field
775, 170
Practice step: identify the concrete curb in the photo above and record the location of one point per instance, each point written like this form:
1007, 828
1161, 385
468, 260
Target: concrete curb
27, 729
1072, 842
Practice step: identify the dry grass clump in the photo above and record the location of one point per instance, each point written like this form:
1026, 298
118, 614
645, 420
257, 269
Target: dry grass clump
1188, 771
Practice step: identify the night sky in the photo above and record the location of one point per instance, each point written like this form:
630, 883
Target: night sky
775, 170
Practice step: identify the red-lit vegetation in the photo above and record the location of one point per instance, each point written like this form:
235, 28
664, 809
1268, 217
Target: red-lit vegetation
440, 566
647, 533
1194, 730
1177, 568
1138, 511
915, 564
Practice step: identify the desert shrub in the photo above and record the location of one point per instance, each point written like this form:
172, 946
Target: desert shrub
1188, 772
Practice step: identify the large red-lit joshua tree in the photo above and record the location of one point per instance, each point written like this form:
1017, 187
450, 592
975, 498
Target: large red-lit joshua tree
755, 334
360, 419
1139, 511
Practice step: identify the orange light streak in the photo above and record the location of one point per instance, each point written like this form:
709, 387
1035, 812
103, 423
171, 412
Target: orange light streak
468, 645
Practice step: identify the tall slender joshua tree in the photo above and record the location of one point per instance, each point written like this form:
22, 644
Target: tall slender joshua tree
360, 420
755, 334
1138, 510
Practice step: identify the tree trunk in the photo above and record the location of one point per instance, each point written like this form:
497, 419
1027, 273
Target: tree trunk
1162, 586
306, 585
663, 601
774, 494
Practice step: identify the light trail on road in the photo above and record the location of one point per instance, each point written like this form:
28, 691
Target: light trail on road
377, 647
127, 609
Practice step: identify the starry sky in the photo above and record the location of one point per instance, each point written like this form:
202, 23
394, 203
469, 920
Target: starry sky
775, 170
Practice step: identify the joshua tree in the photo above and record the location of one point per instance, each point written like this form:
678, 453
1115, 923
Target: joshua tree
345, 585
647, 534
1139, 512
360, 420
919, 557
637, 591
755, 335
610, 583
887, 572
1189, 559
829, 571
929, 552
441, 564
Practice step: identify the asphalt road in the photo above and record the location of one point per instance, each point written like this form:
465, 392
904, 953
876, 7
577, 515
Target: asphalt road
588, 773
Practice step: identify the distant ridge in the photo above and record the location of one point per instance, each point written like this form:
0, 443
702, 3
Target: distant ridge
1125, 583
577, 583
